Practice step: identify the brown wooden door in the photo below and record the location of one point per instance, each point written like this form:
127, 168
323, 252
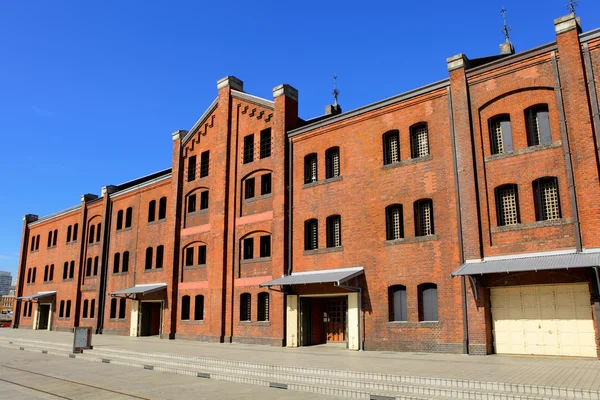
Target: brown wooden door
334, 319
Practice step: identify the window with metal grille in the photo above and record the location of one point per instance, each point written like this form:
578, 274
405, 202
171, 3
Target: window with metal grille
85, 308
96, 261
204, 163
394, 222
245, 306
116, 263
29, 310
397, 303
334, 231
507, 209
204, 200
500, 134
391, 147
92, 308
538, 125
265, 184
191, 203
125, 267
128, 217
332, 162
122, 308
265, 143
248, 148
160, 250
149, 255
120, 219
265, 246
199, 307
191, 169
310, 168
248, 249
113, 308
424, 217
162, 208
428, 302
249, 188
263, 306
151, 210
189, 256
311, 233
185, 308
202, 254
547, 201
419, 140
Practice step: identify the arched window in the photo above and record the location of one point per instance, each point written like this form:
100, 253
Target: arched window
50, 239
334, 231
98, 231
311, 234
66, 270
92, 234
538, 125
29, 275
69, 228
120, 219
51, 275
507, 205
332, 162
84, 312
159, 256
547, 200
116, 263
199, 307
125, 267
162, 208
68, 309
310, 168
397, 303
185, 308
263, 306
151, 211
92, 308
113, 308
419, 140
391, 147
72, 269
32, 243
245, 306
122, 308
428, 302
34, 274
149, 252
96, 261
55, 238
25, 304
128, 217
500, 134
75, 229
46, 273
61, 309
394, 222
424, 217
88, 267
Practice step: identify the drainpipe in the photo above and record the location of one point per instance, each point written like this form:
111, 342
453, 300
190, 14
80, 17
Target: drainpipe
290, 204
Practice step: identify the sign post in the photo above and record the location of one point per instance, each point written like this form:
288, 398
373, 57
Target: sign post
82, 339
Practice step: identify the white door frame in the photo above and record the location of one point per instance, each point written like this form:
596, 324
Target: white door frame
139, 315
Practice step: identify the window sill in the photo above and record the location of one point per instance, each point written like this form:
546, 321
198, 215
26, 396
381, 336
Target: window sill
67, 280
199, 266
51, 247
257, 198
120, 273
72, 242
403, 163
532, 225
158, 221
322, 182
415, 239
254, 323
93, 244
323, 251
123, 230
153, 270
192, 322
64, 318
46, 282
255, 260
117, 319
411, 324
91, 277
526, 150
199, 212
34, 251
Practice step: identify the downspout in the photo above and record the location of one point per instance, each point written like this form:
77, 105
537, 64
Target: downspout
290, 203
358, 289
234, 244
105, 259
592, 90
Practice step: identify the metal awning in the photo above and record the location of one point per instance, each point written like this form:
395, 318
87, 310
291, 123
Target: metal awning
535, 263
38, 295
139, 290
336, 276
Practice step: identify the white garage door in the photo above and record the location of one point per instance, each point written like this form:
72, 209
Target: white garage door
544, 320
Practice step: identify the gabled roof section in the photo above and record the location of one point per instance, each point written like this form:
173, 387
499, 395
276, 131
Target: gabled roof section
253, 99
200, 122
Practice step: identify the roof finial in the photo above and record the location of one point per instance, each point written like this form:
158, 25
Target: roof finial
335, 90
571, 6
505, 28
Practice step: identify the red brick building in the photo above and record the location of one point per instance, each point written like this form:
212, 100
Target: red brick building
458, 217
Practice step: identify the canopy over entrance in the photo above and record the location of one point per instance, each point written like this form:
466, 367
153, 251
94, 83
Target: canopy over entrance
336, 276
139, 290
38, 296
535, 263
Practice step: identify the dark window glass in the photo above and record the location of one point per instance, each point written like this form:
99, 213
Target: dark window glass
265, 246
162, 208
66, 270
538, 125
37, 242
61, 310
116, 263
68, 309
263, 306
428, 302
55, 237
92, 308
204, 200
391, 147
202, 254
397, 303
311, 234
71, 269
204, 163
249, 188
185, 308
151, 210
88, 267
49, 239
310, 168
85, 309
125, 267
265, 143
96, 259
248, 149
92, 234
98, 230
332, 162
149, 252
189, 256
46, 273
159, 256
120, 219
29, 275
51, 276
265, 184
122, 308
245, 307
34, 274
191, 170
113, 308
191, 203
32, 243
69, 228
75, 229
248, 248
128, 217
199, 307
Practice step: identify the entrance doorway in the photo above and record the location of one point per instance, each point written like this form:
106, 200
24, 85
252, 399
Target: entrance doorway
323, 320
151, 318
43, 316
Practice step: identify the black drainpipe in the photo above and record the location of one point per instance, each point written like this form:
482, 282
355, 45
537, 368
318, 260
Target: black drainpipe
290, 203
105, 259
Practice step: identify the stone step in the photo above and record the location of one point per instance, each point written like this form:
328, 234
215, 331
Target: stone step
301, 380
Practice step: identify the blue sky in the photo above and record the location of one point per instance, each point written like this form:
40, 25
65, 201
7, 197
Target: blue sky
90, 91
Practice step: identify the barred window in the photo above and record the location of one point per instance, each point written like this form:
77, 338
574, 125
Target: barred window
310, 168
88, 267
46, 273
96, 261
397, 303
191, 169
507, 209
391, 147
311, 233
151, 211
332, 162
245, 307
419, 140
61, 312
394, 222
85, 309
92, 308
34, 274
547, 201
185, 308
334, 231
66, 270
75, 228
55, 237
199, 307
69, 228
68, 309
500, 134
265, 143
49, 239
160, 250
248, 149
263, 306
98, 230
202, 254
92, 234
204, 163
51, 277
538, 125
424, 217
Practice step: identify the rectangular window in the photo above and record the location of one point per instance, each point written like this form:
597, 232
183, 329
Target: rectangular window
191, 203
202, 255
189, 256
500, 135
506, 205
311, 241
128, 217
265, 246
204, 200
394, 222
391, 147
334, 231
248, 248
424, 218
160, 250
332, 161
538, 125
265, 184
199, 307
265, 143
248, 149
204, 161
310, 168
191, 169
419, 141
398, 307
249, 188
122, 308
547, 202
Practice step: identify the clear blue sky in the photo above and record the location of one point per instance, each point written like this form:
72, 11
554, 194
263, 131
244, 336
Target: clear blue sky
90, 91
